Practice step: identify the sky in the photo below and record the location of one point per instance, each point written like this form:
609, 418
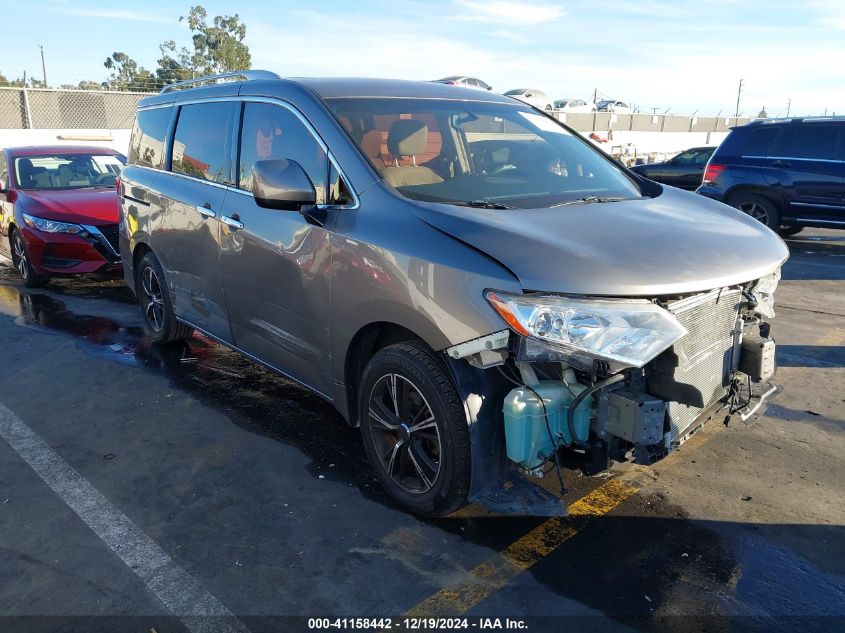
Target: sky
683, 56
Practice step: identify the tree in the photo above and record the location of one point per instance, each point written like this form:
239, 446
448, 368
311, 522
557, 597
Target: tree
17, 83
173, 65
220, 47
762, 114
127, 75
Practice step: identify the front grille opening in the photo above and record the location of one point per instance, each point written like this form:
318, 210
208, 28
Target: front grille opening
695, 372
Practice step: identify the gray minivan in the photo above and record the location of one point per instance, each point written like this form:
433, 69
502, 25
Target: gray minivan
459, 274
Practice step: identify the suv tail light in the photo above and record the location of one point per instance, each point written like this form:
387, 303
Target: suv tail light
711, 172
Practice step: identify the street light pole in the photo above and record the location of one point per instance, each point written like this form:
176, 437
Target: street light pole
43, 66
788, 106
738, 93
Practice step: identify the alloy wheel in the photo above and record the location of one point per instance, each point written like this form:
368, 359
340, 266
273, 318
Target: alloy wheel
405, 434
755, 210
20, 259
152, 299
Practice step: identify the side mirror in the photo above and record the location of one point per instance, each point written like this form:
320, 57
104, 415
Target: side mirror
282, 184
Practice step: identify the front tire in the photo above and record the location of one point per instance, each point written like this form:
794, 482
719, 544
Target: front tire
414, 429
21, 260
160, 322
758, 207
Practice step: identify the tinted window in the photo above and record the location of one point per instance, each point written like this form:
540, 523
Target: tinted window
840, 152
760, 141
814, 141
270, 132
199, 144
148, 134
339, 193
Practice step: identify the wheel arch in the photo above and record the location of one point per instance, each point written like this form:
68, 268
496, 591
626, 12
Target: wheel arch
366, 342
756, 190
141, 249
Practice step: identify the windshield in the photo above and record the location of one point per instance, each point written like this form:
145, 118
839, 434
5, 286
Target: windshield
67, 171
477, 153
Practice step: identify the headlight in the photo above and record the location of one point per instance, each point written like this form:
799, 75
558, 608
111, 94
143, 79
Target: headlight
764, 293
630, 332
51, 226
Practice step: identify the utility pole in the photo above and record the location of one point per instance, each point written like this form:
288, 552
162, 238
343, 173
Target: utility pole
738, 93
43, 66
595, 94
788, 106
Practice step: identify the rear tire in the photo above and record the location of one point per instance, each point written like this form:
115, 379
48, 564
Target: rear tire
414, 429
160, 322
758, 207
21, 260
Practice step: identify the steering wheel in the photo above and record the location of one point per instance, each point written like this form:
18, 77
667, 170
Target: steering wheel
505, 167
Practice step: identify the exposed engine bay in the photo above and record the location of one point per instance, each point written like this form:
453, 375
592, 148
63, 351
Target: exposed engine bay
624, 381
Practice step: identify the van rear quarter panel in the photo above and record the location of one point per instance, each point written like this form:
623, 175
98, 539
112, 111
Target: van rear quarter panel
139, 207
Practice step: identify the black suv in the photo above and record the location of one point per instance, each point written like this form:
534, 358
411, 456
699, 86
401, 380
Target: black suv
787, 173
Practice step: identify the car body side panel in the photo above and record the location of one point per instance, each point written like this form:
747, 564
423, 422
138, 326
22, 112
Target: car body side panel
388, 266
188, 246
276, 277
140, 206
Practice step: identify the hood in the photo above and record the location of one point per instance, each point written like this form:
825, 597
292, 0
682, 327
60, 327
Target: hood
95, 206
646, 167
676, 243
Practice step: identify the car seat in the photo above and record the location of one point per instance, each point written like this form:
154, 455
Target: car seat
408, 137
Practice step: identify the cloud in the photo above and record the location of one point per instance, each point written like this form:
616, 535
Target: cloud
508, 12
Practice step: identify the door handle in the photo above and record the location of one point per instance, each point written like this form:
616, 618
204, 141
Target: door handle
234, 221
781, 163
205, 211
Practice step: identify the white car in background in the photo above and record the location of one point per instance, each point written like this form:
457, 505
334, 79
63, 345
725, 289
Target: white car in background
532, 97
463, 80
575, 105
612, 105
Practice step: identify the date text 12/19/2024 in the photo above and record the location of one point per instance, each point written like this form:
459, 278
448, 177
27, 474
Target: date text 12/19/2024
416, 624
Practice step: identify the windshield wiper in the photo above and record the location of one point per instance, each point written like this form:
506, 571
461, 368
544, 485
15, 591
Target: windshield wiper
590, 200
484, 204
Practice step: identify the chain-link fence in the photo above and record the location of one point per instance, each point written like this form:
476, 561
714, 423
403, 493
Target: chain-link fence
38, 108
28, 108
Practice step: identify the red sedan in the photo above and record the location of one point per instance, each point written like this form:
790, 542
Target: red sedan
59, 210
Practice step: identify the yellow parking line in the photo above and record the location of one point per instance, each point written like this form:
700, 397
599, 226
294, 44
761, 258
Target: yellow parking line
833, 338
492, 575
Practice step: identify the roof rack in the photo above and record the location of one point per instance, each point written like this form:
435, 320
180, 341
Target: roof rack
240, 75
795, 119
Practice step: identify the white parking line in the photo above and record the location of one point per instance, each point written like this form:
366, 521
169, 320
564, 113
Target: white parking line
177, 590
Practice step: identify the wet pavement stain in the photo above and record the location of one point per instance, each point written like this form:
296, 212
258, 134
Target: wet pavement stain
251, 396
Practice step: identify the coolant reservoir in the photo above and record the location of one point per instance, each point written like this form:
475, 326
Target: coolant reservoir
526, 435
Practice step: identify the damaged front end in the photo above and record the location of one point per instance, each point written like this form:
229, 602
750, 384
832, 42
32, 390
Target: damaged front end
607, 379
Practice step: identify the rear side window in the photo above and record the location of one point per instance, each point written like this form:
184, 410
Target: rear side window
269, 132
760, 141
200, 142
814, 141
148, 134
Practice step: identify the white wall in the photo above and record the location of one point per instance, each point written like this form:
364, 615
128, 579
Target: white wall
658, 142
114, 139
